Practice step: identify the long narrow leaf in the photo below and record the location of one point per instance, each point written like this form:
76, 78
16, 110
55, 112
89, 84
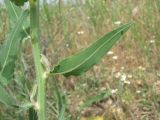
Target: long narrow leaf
61, 102
97, 98
83, 61
5, 98
10, 49
14, 11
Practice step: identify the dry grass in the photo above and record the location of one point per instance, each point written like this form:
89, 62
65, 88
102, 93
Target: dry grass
132, 68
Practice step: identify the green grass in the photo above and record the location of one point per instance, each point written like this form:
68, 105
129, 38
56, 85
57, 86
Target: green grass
73, 27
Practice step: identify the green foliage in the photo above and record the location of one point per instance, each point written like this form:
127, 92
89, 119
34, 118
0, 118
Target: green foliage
19, 2
60, 101
5, 98
83, 61
9, 50
14, 11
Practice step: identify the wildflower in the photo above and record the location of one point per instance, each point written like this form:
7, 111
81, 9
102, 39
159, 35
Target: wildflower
113, 91
138, 91
123, 77
141, 68
117, 22
110, 53
152, 41
118, 74
81, 32
115, 57
127, 82
67, 45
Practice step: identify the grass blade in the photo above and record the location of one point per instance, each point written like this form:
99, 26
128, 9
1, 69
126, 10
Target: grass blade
60, 97
10, 49
83, 61
94, 99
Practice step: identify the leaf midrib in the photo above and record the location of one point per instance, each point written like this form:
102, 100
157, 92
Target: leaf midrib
93, 52
17, 28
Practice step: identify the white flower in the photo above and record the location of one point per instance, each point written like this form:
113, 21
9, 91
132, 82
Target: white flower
113, 91
67, 45
115, 57
123, 77
117, 22
141, 68
138, 91
118, 74
152, 41
110, 53
127, 82
81, 32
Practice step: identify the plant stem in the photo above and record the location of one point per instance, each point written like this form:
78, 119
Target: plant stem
34, 23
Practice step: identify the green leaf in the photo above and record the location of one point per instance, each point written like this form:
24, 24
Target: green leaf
84, 60
60, 98
5, 98
10, 49
14, 11
94, 99
19, 2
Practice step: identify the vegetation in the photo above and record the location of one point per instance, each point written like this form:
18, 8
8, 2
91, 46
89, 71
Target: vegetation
123, 86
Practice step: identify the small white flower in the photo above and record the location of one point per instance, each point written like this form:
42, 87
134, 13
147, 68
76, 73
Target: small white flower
67, 45
152, 41
115, 57
117, 22
113, 91
138, 91
118, 74
127, 82
123, 77
81, 32
110, 53
141, 68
